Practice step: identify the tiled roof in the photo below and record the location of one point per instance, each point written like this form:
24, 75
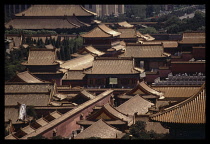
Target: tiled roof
125, 24
170, 44
28, 87
190, 111
28, 99
113, 66
112, 113
74, 75
47, 23
143, 88
143, 51
46, 125
87, 94
135, 104
56, 10
26, 77
92, 50
11, 113
101, 31
99, 129
11, 136
176, 91
193, 37
77, 22
127, 33
28, 129
79, 63
41, 56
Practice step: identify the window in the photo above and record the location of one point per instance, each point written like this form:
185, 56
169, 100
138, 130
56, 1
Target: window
90, 6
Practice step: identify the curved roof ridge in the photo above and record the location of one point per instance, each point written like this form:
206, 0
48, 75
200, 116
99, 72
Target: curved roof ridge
27, 72
108, 30
92, 31
97, 131
133, 106
117, 110
56, 10
181, 104
88, 48
188, 99
88, 10
146, 88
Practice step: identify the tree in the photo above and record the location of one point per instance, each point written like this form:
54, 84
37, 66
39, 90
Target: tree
148, 30
138, 132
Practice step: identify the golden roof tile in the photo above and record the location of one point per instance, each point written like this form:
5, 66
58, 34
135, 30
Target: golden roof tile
79, 63
101, 31
190, 111
56, 10
41, 56
143, 88
47, 23
143, 51
112, 66
135, 104
99, 129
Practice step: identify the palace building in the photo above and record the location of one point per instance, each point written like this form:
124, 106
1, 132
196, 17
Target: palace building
52, 17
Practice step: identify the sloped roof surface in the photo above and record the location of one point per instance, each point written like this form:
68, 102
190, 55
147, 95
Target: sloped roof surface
193, 37
92, 50
79, 63
11, 113
143, 51
74, 75
143, 88
114, 113
176, 91
113, 66
87, 94
56, 10
127, 33
101, 31
125, 24
190, 111
47, 23
99, 129
28, 99
41, 56
135, 104
27, 77
28, 87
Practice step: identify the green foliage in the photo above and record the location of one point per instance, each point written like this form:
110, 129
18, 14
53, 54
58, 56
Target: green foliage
138, 132
29, 32
148, 30
31, 111
13, 62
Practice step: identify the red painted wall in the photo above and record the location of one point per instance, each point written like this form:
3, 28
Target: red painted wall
65, 128
188, 67
199, 53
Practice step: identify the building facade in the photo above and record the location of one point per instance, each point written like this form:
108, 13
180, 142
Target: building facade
105, 10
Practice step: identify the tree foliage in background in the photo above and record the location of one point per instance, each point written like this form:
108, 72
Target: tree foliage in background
138, 132
148, 30
13, 62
